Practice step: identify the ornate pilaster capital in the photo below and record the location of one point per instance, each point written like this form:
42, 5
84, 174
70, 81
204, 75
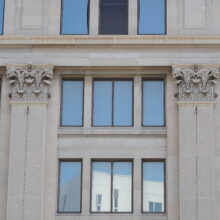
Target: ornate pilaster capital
29, 82
196, 83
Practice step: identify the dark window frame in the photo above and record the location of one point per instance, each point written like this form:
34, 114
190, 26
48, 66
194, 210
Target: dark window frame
81, 183
111, 199
165, 19
61, 101
143, 160
112, 80
88, 19
142, 102
99, 25
3, 18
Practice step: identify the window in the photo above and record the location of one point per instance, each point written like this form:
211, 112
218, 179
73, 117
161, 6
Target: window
113, 17
152, 17
111, 186
2, 5
70, 179
113, 103
153, 178
72, 103
75, 18
153, 103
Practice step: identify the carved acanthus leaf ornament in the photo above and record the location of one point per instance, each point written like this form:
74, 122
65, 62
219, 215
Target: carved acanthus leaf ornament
29, 82
196, 83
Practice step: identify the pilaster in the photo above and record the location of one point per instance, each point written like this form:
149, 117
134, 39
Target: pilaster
196, 99
29, 98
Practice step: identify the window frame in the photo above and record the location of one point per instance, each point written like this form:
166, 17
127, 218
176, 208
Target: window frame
99, 25
165, 19
163, 160
142, 102
60, 160
111, 199
112, 80
61, 101
61, 19
3, 18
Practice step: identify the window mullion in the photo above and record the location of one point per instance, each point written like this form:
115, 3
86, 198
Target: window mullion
111, 184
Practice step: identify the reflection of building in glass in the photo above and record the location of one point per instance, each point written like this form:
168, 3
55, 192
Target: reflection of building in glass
70, 195
153, 196
98, 202
101, 193
115, 200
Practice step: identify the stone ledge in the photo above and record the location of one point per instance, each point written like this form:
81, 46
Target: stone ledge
110, 40
62, 131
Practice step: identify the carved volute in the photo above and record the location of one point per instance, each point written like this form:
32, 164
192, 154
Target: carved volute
29, 82
196, 83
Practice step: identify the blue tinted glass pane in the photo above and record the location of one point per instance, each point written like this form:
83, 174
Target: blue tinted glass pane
70, 187
152, 17
72, 108
122, 187
123, 103
1, 16
153, 187
153, 103
74, 17
102, 109
101, 187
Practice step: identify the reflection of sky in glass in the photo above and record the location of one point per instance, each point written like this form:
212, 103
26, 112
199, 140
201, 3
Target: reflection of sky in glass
122, 168
1, 15
123, 103
74, 20
153, 171
153, 103
102, 114
104, 167
152, 17
105, 106
69, 171
72, 103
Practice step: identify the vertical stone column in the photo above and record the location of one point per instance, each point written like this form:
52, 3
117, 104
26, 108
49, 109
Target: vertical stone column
27, 140
196, 140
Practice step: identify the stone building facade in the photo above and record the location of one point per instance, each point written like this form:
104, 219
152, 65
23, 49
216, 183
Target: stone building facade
35, 57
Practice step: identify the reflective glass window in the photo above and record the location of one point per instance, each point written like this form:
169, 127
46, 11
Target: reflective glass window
123, 105
72, 103
111, 186
2, 2
153, 187
113, 17
152, 19
102, 109
70, 187
101, 187
75, 17
113, 103
153, 103
122, 187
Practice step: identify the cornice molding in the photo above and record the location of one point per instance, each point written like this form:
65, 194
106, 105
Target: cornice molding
29, 82
196, 83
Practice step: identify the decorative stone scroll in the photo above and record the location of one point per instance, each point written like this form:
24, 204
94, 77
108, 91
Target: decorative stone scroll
196, 83
29, 82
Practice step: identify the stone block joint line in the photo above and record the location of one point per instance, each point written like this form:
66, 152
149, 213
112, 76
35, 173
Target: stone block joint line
25, 159
196, 111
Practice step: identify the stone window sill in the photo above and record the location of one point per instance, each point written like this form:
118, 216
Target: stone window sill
161, 131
